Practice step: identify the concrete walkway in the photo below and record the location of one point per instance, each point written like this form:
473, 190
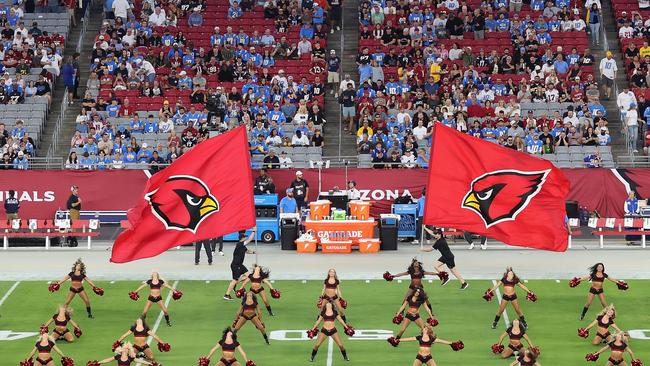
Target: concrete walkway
621, 262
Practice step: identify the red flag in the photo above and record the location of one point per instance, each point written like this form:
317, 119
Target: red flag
479, 186
206, 193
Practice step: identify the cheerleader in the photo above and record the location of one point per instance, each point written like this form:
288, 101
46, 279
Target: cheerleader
61, 319
604, 320
427, 339
156, 284
414, 302
249, 311
77, 276
417, 273
141, 331
44, 347
597, 276
509, 281
515, 333
126, 356
329, 316
527, 357
228, 345
259, 277
332, 292
618, 346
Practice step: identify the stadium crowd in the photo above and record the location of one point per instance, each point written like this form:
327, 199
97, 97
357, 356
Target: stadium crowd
30, 61
155, 55
520, 75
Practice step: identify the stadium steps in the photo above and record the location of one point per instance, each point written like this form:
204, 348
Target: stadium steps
68, 128
615, 124
346, 43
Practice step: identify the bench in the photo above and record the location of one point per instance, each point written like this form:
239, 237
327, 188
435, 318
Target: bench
47, 229
617, 227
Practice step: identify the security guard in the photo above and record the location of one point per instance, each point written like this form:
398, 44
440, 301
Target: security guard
74, 207
12, 205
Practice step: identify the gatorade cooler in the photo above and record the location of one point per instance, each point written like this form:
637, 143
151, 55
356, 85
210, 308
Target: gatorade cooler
306, 246
369, 245
338, 215
319, 209
360, 209
339, 246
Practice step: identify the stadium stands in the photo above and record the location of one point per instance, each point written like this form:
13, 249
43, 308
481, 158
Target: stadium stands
518, 75
262, 70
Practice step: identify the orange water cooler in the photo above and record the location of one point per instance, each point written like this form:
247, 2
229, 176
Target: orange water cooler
318, 210
360, 209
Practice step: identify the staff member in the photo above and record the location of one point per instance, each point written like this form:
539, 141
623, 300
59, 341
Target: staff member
447, 257
207, 245
418, 234
353, 192
468, 238
237, 265
300, 189
74, 206
264, 183
631, 205
12, 205
288, 204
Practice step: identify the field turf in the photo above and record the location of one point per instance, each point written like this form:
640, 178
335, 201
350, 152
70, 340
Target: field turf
200, 316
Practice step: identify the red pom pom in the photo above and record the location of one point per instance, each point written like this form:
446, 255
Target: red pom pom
488, 295
312, 333
637, 362
591, 357
44, 329
77, 332
397, 319
27, 362
176, 295
531, 297
535, 350
388, 277
154, 363
204, 361
99, 291
497, 348
67, 361
92, 363
344, 304
53, 287
393, 341
240, 293
582, 332
164, 347
275, 293
349, 330
433, 322
622, 285
444, 276
319, 304
575, 281
457, 346
116, 345
134, 296
250, 363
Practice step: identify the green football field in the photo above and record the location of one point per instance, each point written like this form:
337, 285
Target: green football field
200, 316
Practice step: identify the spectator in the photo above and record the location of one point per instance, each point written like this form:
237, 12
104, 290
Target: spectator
631, 123
195, 19
285, 161
608, 70
72, 162
271, 161
21, 162
69, 77
592, 160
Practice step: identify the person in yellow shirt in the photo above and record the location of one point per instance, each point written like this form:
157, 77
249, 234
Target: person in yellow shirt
645, 50
364, 129
434, 70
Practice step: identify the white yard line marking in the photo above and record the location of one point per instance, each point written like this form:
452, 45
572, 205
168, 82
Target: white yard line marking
505, 311
161, 315
9, 292
330, 350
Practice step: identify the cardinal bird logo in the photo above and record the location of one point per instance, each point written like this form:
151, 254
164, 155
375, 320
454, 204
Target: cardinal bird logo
182, 202
501, 195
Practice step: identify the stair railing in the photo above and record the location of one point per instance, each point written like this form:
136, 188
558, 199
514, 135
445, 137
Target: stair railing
58, 125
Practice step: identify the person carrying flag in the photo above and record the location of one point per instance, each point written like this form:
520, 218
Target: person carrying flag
237, 265
447, 257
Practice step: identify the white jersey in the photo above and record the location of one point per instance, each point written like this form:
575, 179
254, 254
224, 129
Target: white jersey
608, 67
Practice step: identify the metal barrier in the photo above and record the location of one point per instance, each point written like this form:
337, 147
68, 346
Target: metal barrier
633, 161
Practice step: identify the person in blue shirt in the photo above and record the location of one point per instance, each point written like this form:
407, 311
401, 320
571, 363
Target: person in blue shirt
544, 38
234, 11
86, 161
490, 23
288, 204
242, 38
420, 218
502, 24
540, 24
144, 154
631, 205
646, 115
130, 156
475, 130
195, 19
101, 162
113, 109
184, 82
216, 38
151, 126
167, 40
137, 126
307, 31
21, 162
379, 57
318, 14
91, 147
277, 115
561, 67
258, 146
537, 5
18, 132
